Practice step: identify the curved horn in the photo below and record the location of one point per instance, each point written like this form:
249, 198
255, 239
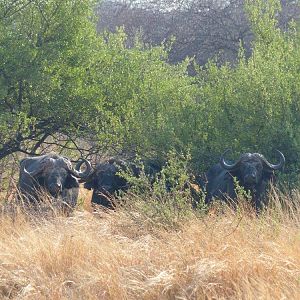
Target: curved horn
225, 165
277, 166
32, 173
76, 171
40, 166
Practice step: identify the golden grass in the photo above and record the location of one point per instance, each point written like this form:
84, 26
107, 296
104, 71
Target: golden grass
233, 255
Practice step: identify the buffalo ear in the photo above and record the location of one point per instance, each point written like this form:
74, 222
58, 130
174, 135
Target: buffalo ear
71, 182
267, 175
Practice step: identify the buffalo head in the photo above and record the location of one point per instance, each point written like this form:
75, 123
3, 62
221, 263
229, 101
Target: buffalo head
251, 167
105, 180
105, 177
252, 171
53, 173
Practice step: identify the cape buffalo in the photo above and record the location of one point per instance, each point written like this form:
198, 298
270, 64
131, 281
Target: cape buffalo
53, 174
105, 181
252, 171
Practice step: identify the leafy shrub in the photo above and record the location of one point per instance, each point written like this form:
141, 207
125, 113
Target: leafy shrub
124, 100
165, 200
254, 105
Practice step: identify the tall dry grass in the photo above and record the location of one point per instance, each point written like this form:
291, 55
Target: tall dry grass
120, 255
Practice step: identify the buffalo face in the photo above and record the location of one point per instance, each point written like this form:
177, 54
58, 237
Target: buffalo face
251, 172
250, 169
105, 178
56, 179
105, 181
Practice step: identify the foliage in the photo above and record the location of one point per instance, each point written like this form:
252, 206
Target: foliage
57, 76
44, 78
255, 105
145, 98
252, 106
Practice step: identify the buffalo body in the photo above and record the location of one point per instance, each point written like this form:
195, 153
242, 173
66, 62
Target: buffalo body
251, 171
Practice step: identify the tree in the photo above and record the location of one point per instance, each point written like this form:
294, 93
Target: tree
46, 52
255, 105
59, 79
202, 28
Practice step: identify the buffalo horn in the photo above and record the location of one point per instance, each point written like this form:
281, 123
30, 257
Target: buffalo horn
278, 166
226, 165
32, 173
39, 168
76, 171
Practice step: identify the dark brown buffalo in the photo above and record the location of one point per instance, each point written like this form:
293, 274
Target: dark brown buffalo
252, 171
106, 182
53, 174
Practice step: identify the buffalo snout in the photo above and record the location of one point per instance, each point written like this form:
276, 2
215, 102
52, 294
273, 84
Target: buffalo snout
251, 178
55, 188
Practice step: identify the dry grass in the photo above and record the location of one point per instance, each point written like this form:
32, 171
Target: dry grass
233, 255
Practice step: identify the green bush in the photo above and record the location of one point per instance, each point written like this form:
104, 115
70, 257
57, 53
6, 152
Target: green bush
145, 99
61, 77
255, 105
166, 199
252, 106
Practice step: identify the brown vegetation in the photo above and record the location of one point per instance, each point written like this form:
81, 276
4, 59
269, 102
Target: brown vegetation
233, 255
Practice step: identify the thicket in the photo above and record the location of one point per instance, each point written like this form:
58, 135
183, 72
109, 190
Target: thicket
255, 105
58, 76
